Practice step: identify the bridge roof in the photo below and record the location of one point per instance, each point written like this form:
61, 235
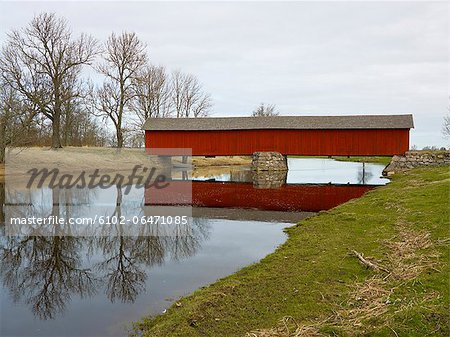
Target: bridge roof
281, 122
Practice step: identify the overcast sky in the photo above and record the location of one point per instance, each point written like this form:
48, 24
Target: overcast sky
308, 58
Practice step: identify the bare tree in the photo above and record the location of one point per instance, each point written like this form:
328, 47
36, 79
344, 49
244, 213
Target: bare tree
7, 112
188, 97
446, 127
18, 123
39, 61
151, 89
264, 110
124, 57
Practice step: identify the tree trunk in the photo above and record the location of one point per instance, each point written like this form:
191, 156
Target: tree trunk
119, 137
66, 132
2, 202
120, 113
2, 139
56, 122
56, 126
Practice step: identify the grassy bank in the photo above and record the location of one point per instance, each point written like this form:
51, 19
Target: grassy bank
368, 159
315, 284
374, 160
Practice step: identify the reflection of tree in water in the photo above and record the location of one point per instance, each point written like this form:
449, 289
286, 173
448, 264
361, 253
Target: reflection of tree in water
29, 203
46, 271
126, 256
244, 176
125, 279
187, 239
364, 174
121, 266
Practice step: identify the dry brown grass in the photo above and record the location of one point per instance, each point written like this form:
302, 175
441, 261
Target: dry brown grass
104, 158
406, 261
288, 327
74, 160
78, 158
2, 174
221, 161
107, 160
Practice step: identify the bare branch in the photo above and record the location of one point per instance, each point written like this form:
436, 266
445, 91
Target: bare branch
123, 59
40, 60
188, 98
265, 111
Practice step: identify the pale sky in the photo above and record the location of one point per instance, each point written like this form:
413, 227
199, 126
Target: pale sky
308, 58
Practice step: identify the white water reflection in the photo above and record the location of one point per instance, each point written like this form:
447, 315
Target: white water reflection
323, 171
309, 171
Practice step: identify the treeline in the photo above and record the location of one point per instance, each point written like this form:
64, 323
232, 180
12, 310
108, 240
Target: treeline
47, 99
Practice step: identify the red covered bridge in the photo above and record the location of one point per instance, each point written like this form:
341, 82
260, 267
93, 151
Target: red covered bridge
362, 135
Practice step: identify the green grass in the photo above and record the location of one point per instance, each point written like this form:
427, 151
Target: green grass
374, 160
311, 276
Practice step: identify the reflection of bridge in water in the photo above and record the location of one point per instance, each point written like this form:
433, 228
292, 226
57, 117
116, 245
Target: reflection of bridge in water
287, 197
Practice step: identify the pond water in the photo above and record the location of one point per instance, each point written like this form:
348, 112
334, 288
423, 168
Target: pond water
309, 171
97, 286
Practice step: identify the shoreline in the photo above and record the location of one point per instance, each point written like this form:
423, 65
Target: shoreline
108, 159
70, 159
314, 278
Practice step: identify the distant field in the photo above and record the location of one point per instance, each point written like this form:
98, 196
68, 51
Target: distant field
107, 158
375, 160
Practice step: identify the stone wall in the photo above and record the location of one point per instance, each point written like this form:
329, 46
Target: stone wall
413, 159
269, 161
268, 179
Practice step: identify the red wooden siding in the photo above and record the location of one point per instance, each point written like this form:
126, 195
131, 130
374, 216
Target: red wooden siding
289, 197
344, 142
